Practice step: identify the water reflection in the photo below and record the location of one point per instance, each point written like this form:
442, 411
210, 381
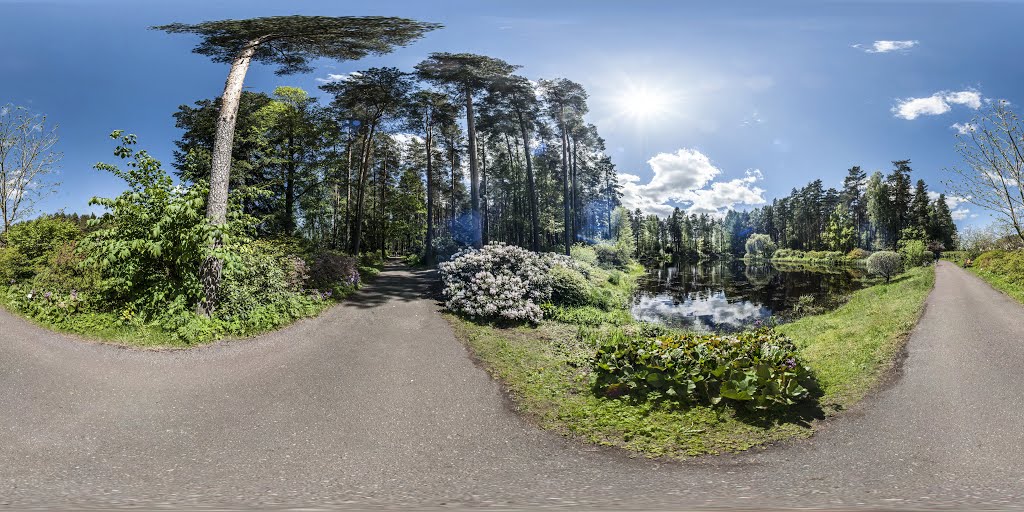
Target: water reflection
732, 295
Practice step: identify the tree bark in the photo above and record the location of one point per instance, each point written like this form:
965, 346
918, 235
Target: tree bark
483, 195
566, 210
531, 185
220, 173
474, 190
428, 250
357, 230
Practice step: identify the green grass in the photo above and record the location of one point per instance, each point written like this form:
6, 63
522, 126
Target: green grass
1003, 270
1012, 285
546, 370
852, 347
107, 328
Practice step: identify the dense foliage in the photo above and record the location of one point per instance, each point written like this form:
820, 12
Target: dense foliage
136, 266
758, 369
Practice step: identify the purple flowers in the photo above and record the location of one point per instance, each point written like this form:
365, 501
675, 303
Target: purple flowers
790, 363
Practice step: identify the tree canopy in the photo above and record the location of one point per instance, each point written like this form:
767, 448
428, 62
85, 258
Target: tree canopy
291, 42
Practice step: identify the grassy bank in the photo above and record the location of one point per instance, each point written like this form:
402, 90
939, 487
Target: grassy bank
1003, 270
547, 370
851, 347
69, 314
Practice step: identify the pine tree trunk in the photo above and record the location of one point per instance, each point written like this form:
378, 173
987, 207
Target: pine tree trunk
474, 184
357, 230
483, 196
531, 185
566, 209
428, 250
220, 173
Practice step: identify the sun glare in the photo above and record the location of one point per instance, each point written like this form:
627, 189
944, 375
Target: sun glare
644, 103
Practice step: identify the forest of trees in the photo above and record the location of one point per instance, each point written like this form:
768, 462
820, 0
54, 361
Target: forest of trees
387, 158
870, 212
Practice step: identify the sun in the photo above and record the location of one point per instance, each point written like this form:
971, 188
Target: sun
644, 103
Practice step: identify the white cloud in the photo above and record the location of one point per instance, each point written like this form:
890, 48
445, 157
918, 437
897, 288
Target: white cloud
887, 46
686, 177
954, 203
970, 98
964, 128
938, 103
341, 77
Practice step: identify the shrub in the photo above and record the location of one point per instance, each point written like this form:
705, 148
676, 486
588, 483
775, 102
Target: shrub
1009, 264
154, 237
260, 275
569, 287
612, 256
584, 254
758, 369
446, 247
14, 265
885, 264
913, 252
857, 254
331, 269
760, 245
497, 281
371, 259
38, 239
65, 272
786, 254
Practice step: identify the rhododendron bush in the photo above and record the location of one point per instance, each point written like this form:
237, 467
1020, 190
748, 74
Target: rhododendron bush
500, 281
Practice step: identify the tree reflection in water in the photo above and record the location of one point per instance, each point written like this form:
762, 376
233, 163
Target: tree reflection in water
731, 295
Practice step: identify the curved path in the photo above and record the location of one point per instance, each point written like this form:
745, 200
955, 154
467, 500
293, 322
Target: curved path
375, 403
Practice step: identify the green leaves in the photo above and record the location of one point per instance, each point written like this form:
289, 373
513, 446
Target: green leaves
757, 369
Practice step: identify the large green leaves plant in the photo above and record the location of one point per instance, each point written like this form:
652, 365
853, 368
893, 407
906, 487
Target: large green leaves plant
756, 369
153, 238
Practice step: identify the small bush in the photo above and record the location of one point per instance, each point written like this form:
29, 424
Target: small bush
330, 269
913, 252
857, 254
885, 264
14, 265
612, 256
371, 259
786, 254
569, 287
760, 245
38, 239
584, 253
758, 369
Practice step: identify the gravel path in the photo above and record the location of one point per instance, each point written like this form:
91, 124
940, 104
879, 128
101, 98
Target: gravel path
376, 404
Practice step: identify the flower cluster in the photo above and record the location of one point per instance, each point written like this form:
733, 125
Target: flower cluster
499, 281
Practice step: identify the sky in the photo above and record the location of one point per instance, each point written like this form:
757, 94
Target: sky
703, 105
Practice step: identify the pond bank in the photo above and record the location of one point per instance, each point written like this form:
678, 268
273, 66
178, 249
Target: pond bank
547, 370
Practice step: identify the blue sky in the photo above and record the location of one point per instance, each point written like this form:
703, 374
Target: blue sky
745, 100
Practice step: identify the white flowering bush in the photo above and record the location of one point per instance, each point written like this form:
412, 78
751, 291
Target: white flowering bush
500, 281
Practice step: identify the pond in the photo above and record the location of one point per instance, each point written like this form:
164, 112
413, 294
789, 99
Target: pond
731, 295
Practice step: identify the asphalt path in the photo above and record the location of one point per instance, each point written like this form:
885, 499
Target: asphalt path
376, 404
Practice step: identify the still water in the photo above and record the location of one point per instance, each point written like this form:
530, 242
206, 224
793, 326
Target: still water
731, 295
